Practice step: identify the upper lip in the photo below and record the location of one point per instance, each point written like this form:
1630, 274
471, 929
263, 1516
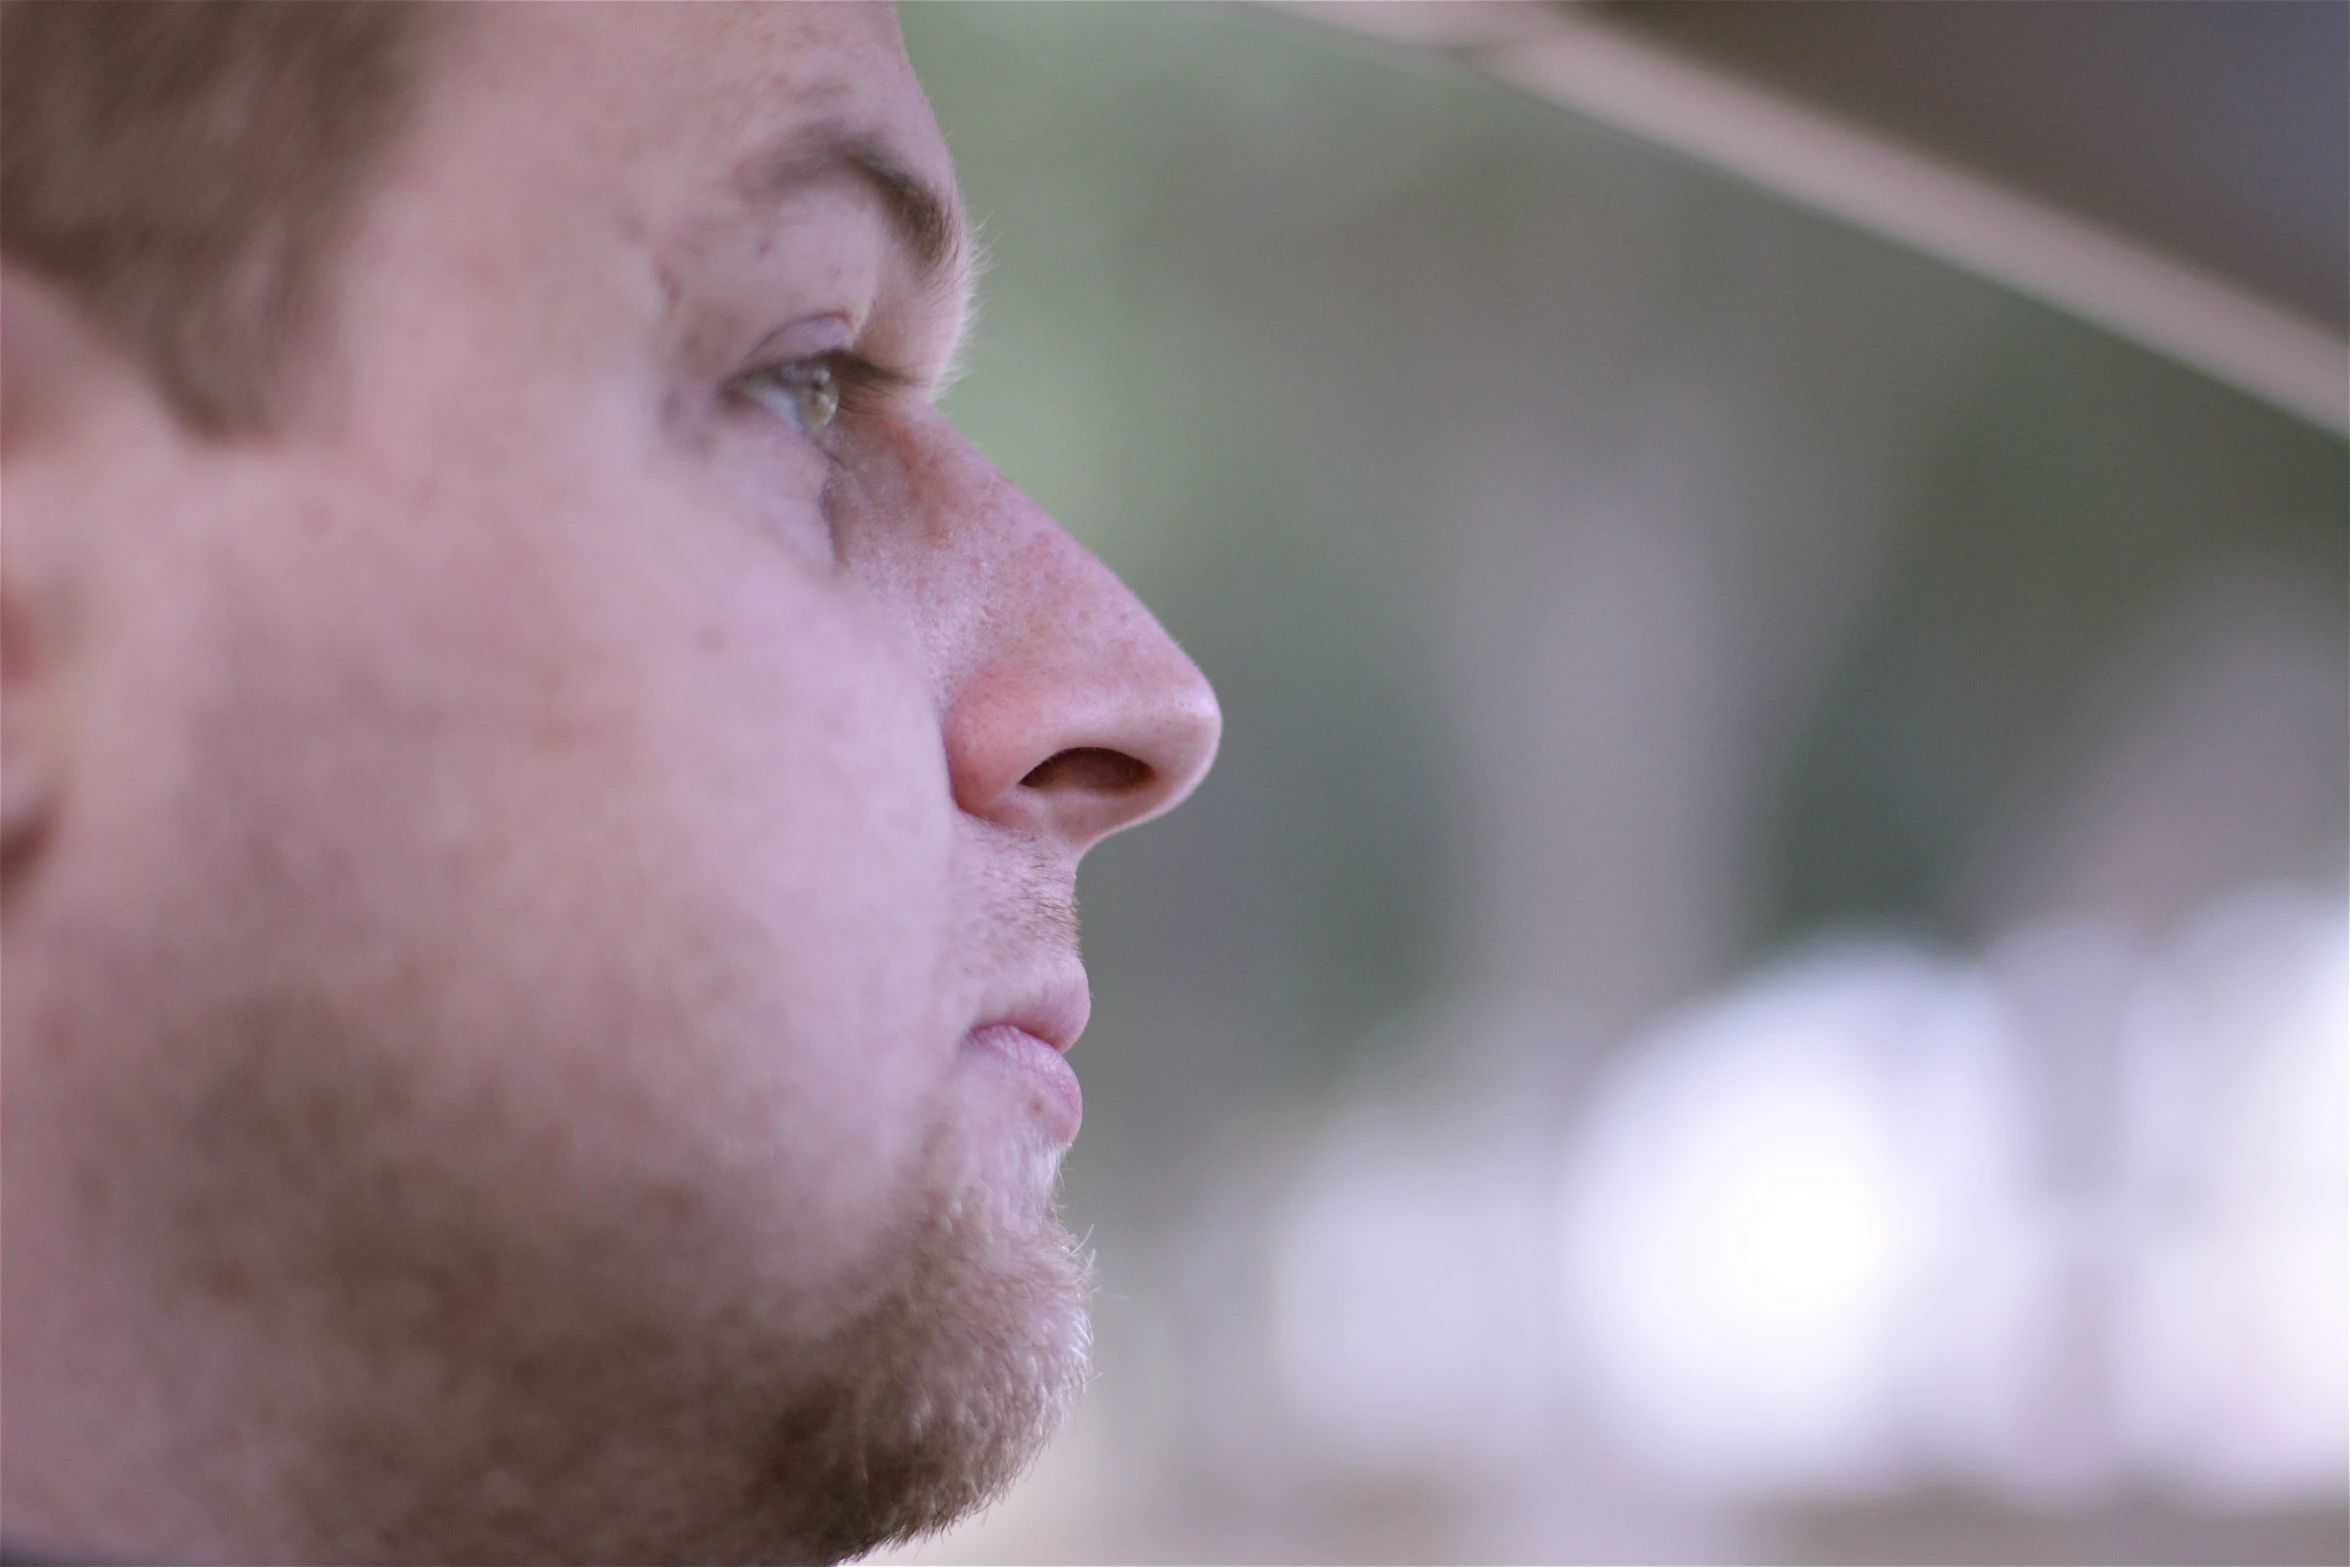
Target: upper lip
1054, 1010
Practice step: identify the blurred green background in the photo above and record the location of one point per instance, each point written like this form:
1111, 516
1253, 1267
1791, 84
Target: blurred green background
1611, 575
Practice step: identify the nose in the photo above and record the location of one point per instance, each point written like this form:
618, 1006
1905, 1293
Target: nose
1067, 710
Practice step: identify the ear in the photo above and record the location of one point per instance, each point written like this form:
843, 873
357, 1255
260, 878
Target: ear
28, 772
46, 358
51, 367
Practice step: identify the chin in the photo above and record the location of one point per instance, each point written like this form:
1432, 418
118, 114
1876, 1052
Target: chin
663, 1413
950, 1382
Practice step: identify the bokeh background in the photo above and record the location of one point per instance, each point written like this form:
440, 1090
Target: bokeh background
1762, 975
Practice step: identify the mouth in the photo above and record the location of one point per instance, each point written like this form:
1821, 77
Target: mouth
1028, 1040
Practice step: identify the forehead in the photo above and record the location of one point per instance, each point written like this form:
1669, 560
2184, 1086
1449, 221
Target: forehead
657, 115
658, 75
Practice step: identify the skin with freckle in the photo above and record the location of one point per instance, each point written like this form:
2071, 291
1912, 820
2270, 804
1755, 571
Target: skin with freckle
509, 862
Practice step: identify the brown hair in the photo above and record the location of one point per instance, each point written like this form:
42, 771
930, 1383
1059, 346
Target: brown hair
183, 171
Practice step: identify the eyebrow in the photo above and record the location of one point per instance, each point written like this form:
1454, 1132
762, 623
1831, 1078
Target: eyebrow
924, 217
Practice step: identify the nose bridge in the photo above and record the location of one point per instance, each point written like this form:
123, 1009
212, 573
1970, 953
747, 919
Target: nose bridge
1066, 708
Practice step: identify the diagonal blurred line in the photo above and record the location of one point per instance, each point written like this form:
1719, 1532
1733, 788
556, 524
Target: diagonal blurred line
1797, 152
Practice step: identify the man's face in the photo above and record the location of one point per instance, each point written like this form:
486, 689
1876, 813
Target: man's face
566, 889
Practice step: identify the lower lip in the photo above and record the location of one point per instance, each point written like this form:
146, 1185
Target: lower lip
1043, 1071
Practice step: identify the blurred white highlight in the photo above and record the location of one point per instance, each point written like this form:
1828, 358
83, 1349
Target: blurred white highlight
2232, 1351
1756, 1203
1864, 1222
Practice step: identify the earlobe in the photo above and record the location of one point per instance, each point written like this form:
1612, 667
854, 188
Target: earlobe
37, 354
28, 763
32, 742
44, 353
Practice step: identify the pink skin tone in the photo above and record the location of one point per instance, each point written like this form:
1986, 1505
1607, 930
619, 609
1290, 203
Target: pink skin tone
522, 715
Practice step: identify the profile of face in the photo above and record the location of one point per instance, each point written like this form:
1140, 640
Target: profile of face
541, 929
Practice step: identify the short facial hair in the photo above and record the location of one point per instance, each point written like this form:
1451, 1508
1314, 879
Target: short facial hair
437, 1387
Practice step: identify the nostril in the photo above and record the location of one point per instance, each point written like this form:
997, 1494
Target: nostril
1092, 768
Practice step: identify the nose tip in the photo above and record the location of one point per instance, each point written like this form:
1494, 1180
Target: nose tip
1089, 734
1117, 782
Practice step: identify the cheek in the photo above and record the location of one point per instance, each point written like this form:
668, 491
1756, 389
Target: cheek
788, 803
622, 822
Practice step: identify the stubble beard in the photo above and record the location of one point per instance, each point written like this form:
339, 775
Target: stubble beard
933, 1401
438, 1386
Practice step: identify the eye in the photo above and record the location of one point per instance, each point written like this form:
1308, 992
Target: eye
805, 392
809, 394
